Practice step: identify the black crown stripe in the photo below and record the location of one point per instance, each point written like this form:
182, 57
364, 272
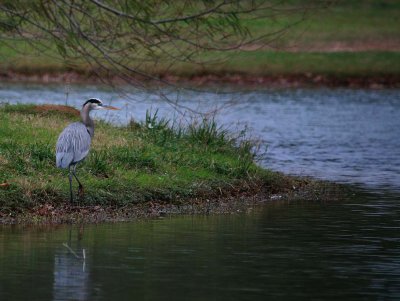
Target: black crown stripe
92, 100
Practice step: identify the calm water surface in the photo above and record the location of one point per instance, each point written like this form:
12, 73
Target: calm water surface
296, 251
303, 250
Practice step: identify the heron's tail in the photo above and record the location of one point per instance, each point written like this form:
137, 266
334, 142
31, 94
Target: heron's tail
63, 160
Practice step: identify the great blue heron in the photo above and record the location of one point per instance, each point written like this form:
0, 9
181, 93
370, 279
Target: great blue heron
73, 144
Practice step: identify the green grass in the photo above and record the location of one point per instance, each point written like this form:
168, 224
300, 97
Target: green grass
268, 63
341, 40
346, 22
153, 160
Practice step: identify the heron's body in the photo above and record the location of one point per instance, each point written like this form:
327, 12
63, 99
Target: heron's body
73, 144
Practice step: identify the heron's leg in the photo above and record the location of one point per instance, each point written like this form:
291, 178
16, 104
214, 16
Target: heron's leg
71, 198
81, 191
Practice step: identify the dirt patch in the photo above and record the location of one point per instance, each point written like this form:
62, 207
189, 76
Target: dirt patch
334, 46
57, 108
291, 81
280, 81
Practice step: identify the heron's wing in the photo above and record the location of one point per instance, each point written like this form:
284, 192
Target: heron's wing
73, 144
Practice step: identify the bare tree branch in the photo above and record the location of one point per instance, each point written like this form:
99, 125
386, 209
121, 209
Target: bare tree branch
138, 40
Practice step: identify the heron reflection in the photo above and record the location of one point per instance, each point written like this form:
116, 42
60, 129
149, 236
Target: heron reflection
71, 276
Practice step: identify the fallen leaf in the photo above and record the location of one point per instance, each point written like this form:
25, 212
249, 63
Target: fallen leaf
4, 185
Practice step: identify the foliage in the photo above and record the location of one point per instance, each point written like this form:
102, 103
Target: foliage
124, 37
347, 27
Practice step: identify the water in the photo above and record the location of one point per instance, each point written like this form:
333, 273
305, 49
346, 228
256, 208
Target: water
297, 251
294, 251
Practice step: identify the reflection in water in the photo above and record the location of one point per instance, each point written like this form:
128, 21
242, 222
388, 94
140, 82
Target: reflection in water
286, 250
71, 277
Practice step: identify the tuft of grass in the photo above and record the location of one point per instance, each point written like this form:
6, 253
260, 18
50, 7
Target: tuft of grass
152, 160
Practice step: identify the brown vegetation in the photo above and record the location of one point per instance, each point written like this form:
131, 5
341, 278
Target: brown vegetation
56, 108
289, 80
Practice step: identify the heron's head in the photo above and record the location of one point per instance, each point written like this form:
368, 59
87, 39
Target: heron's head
97, 104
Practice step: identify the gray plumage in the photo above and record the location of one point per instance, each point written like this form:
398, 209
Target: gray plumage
73, 144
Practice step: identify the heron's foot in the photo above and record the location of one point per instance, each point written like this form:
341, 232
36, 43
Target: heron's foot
81, 192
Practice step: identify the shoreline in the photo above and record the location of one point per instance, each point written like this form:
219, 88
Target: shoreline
65, 213
374, 81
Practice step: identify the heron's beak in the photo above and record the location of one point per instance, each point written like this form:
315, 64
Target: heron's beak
109, 107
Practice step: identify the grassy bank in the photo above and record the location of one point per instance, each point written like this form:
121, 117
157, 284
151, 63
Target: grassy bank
251, 63
154, 161
349, 39
268, 63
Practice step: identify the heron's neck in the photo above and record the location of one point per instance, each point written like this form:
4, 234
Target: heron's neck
87, 121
